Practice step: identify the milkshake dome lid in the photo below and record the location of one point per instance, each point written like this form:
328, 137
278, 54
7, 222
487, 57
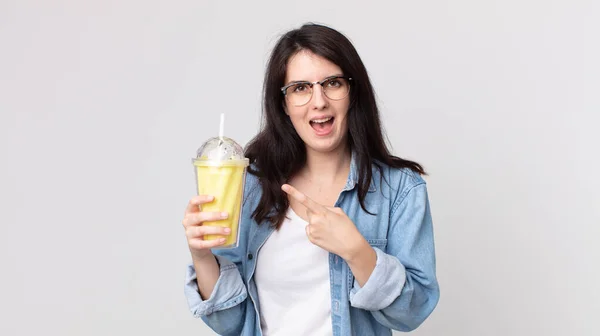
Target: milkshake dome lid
220, 151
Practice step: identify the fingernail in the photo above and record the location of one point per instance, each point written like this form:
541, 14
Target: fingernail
224, 214
227, 230
221, 240
210, 198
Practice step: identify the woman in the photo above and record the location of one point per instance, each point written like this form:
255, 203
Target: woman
336, 235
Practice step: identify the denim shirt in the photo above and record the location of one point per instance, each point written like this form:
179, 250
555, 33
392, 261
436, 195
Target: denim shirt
400, 293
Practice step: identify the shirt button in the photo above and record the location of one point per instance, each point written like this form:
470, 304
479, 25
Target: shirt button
250, 256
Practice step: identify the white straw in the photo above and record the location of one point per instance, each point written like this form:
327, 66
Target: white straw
222, 126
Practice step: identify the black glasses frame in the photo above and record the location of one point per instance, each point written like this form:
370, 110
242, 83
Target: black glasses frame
311, 84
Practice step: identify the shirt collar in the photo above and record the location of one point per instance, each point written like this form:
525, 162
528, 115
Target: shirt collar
353, 176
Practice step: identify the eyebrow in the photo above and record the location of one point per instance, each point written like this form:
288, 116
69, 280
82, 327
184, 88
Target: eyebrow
306, 81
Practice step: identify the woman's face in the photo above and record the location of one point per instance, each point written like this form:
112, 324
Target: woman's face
321, 122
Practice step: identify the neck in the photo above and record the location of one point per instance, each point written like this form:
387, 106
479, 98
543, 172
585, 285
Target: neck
326, 168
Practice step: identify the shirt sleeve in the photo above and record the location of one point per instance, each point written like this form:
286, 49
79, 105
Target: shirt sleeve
224, 311
377, 292
228, 291
402, 290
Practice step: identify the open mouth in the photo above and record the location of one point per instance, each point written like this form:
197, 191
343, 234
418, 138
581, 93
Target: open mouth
322, 126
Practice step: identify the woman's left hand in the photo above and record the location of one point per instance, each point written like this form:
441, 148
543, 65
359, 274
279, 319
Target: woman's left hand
329, 228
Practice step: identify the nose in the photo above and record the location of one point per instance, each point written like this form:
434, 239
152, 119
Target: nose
319, 101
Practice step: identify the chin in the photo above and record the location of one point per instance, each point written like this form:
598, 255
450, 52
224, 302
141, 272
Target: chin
324, 146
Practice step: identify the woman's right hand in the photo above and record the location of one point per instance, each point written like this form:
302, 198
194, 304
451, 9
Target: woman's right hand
195, 231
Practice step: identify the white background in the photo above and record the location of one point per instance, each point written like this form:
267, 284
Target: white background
103, 104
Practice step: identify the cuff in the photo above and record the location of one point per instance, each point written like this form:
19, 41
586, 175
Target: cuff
383, 286
228, 292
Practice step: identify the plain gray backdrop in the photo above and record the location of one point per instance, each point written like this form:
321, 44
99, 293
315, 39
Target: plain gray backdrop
103, 104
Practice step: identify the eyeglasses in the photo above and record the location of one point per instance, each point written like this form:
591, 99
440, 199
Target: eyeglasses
300, 93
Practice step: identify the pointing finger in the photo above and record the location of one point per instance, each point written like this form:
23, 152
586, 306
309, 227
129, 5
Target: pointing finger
305, 200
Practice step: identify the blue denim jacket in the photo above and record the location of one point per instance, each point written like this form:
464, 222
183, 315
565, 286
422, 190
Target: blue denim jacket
400, 293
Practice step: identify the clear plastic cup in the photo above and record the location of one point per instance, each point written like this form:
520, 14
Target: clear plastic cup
220, 169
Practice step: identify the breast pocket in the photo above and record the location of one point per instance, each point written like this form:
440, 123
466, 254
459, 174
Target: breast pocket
378, 243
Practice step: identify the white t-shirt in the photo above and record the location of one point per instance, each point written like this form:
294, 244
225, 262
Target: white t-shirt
292, 278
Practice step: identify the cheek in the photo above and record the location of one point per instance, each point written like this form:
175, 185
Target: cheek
343, 115
297, 122
296, 115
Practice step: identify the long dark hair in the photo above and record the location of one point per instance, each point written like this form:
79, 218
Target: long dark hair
277, 152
